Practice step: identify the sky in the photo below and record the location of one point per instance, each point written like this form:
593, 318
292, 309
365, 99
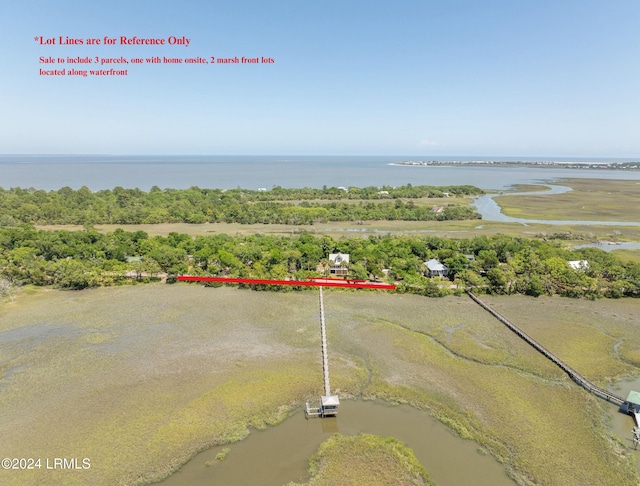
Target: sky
353, 77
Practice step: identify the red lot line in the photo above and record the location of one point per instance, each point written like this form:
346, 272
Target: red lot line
301, 283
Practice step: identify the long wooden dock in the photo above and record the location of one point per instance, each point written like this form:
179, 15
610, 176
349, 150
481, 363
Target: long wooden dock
573, 374
328, 403
325, 356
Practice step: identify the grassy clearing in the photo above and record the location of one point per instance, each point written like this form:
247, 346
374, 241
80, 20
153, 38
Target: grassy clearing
138, 379
162, 367
628, 255
353, 229
530, 188
600, 339
418, 201
591, 199
365, 459
522, 414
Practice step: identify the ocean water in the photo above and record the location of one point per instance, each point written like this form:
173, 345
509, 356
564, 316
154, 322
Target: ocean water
97, 172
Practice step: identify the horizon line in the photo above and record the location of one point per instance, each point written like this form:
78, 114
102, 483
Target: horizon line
313, 155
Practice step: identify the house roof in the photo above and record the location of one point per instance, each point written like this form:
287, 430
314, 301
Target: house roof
338, 258
579, 264
634, 397
435, 266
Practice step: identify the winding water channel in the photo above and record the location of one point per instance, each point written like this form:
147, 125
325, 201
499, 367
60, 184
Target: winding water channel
491, 211
279, 454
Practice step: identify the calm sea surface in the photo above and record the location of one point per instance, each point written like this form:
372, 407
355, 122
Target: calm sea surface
253, 172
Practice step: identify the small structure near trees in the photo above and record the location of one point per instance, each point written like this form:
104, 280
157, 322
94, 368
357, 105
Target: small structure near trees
339, 263
436, 269
579, 264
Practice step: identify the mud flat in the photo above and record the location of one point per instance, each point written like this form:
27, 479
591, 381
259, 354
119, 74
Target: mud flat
140, 379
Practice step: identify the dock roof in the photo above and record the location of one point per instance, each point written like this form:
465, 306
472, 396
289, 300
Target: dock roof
634, 397
330, 400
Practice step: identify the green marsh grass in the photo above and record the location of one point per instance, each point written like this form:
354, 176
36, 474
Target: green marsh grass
628, 255
363, 460
591, 199
140, 378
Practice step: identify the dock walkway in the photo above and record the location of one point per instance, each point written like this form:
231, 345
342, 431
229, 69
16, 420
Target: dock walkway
328, 403
573, 374
325, 356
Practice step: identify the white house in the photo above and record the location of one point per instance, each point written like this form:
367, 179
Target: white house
579, 264
436, 269
338, 263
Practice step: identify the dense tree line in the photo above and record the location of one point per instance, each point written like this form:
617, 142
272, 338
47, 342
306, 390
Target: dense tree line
196, 205
497, 264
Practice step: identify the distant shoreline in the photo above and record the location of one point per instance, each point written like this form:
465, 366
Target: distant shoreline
520, 163
182, 172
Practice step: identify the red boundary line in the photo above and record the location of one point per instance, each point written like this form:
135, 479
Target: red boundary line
301, 283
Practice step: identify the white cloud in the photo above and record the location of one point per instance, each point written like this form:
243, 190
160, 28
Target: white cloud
428, 143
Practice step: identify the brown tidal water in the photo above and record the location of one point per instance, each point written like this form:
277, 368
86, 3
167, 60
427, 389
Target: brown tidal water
621, 423
280, 454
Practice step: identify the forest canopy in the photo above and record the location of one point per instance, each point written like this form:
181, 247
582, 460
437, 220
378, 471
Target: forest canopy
195, 205
495, 264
